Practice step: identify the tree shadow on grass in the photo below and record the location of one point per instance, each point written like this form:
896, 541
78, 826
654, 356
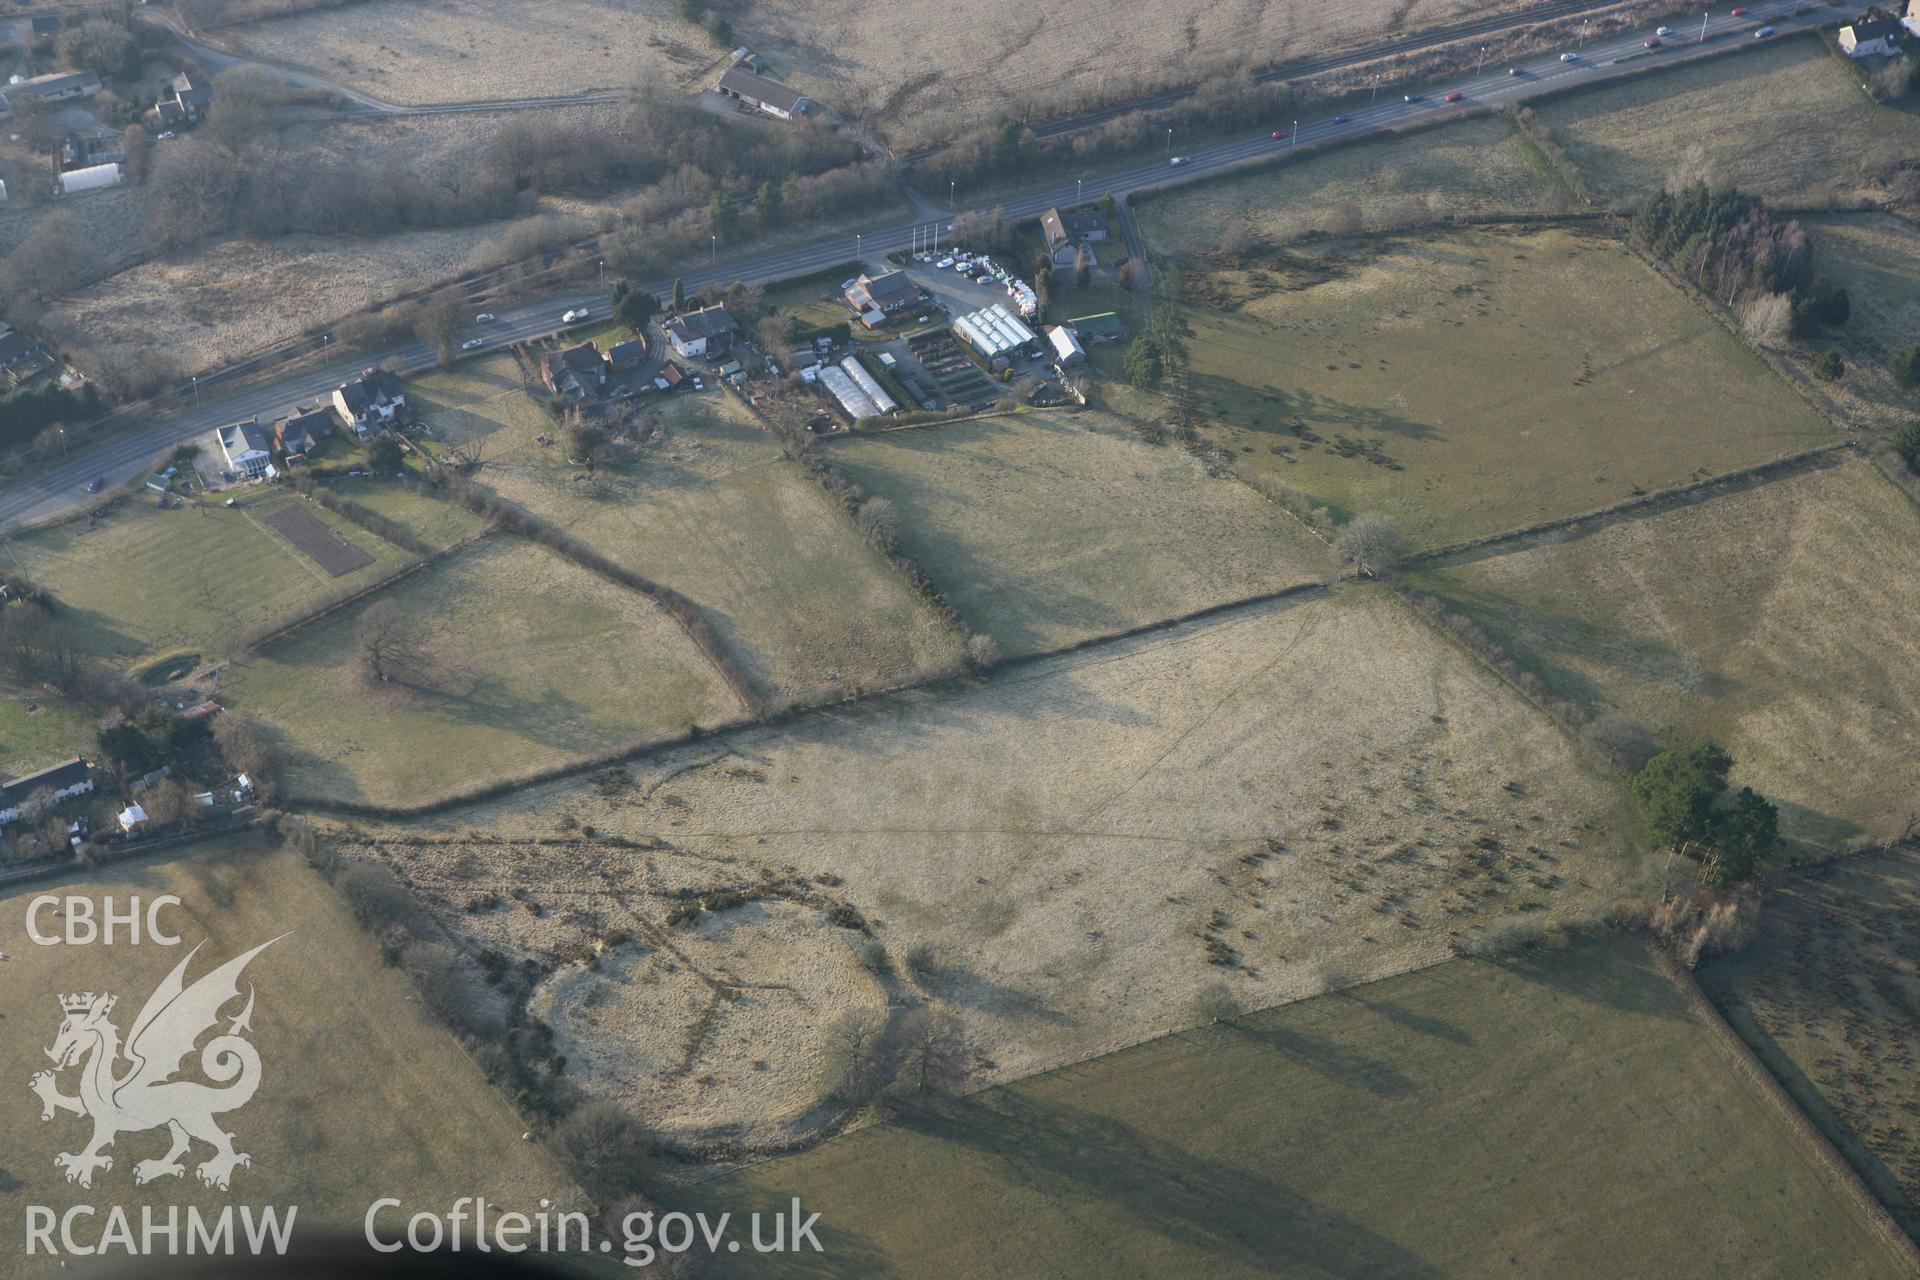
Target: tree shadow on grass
1616, 977
1329, 1058
1400, 1016
1213, 1208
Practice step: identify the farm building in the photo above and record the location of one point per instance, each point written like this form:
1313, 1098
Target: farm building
883, 295
369, 401
62, 86
245, 447
1066, 232
62, 781
1067, 350
95, 177
761, 93
993, 331
1871, 37
1104, 326
705, 333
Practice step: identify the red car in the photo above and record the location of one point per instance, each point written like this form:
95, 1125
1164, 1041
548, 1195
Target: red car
1279, 133
1652, 42
1455, 96
1739, 11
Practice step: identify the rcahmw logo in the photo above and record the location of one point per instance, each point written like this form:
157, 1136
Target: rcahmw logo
136, 1084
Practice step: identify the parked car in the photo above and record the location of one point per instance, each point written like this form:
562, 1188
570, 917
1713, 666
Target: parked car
472, 344
1664, 31
575, 315
96, 484
1178, 160
943, 264
1763, 33
485, 317
1455, 96
1651, 42
166, 136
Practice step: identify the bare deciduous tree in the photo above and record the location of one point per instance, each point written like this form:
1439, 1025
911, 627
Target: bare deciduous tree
1768, 319
390, 644
1370, 543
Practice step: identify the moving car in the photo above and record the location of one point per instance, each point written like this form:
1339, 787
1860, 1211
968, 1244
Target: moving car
485, 317
1513, 71
471, 343
1339, 119
578, 313
1569, 57
1664, 31
96, 484
1413, 97
1763, 33
1178, 160
1455, 96
1278, 133
1652, 42
1738, 11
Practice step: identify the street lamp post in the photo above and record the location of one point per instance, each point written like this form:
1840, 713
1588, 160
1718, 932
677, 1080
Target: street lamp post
1296, 136
1583, 34
63, 443
1478, 66
1169, 141
856, 246
1375, 97
1078, 183
1703, 25
713, 248
196, 389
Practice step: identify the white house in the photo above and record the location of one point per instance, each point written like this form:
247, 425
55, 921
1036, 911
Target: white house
1872, 37
705, 333
245, 447
761, 93
63, 781
132, 816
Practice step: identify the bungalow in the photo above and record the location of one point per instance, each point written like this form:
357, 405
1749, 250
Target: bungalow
888, 293
1066, 232
132, 816
575, 375
62, 782
245, 447
61, 86
1870, 37
761, 94
624, 356
370, 401
705, 333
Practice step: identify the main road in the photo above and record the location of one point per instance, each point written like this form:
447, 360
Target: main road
60, 487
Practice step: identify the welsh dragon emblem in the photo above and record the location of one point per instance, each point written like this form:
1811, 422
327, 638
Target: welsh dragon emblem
145, 1094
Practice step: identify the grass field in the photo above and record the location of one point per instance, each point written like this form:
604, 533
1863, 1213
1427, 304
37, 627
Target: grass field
1320, 785
142, 582
1786, 122
1556, 1114
360, 1096
1876, 257
37, 730
1044, 530
1471, 167
1473, 381
1826, 998
990, 57
1776, 620
715, 511
533, 663
412, 505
